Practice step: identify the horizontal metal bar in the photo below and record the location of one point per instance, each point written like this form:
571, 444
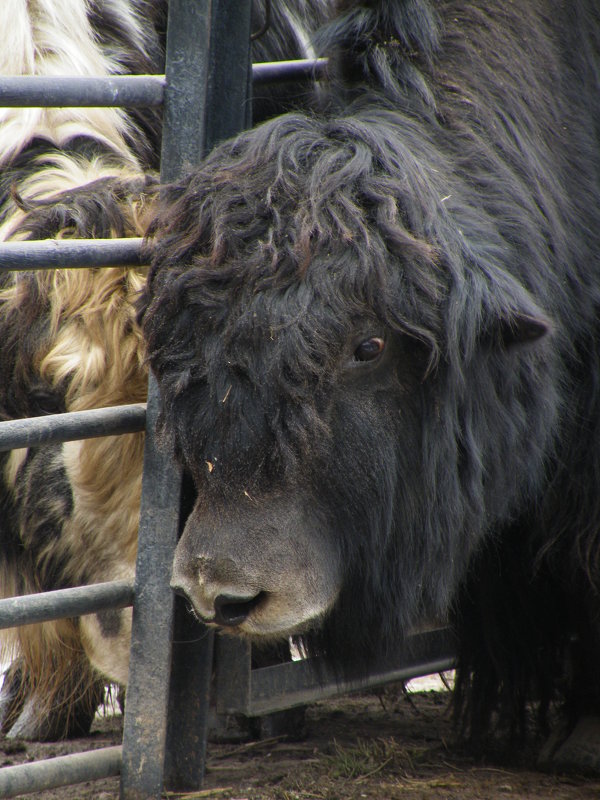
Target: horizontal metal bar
299, 682
32, 608
76, 90
276, 71
56, 253
72, 425
271, 692
60, 771
292, 694
128, 91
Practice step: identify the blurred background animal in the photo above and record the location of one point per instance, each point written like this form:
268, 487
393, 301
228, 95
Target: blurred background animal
69, 512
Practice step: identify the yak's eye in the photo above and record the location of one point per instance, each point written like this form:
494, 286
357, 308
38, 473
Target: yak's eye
370, 349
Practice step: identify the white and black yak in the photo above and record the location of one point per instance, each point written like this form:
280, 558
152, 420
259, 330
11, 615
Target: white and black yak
375, 330
69, 340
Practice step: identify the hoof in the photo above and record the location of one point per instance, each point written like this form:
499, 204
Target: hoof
11, 699
579, 752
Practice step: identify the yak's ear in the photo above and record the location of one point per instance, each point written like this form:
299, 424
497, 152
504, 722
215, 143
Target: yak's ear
512, 315
523, 328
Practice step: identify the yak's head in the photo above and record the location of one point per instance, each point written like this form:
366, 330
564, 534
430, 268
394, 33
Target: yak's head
344, 387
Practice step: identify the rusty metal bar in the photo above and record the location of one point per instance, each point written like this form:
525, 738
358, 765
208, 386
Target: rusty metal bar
72, 425
31, 608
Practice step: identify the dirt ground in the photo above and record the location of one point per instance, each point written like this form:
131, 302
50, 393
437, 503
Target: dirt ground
385, 746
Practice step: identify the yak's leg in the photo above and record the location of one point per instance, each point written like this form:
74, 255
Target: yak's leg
575, 749
575, 745
105, 476
50, 691
106, 640
70, 715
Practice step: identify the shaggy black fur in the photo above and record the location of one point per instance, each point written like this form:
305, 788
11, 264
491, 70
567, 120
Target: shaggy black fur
447, 200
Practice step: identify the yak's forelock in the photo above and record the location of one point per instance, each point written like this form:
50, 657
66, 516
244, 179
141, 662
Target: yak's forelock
301, 226
347, 212
286, 201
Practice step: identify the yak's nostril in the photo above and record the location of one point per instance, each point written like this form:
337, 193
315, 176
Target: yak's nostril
231, 611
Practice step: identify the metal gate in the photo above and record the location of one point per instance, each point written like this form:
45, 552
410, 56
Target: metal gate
172, 657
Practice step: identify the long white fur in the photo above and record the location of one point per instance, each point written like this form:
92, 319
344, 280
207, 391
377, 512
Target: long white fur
50, 38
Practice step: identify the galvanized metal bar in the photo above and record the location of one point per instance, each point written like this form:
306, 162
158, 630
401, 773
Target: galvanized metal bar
164, 726
189, 699
296, 683
228, 81
127, 91
32, 608
78, 91
53, 773
188, 37
288, 685
72, 425
207, 97
279, 71
233, 664
72, 253
144, 731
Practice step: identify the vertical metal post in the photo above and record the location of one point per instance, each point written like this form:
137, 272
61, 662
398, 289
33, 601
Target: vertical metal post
208, 74
233, 678
207, 98
144, 731
220, 73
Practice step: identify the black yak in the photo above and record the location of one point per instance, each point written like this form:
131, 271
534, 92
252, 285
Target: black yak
69, 513
375, 330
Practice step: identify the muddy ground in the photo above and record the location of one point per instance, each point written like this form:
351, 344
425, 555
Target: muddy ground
385, 746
